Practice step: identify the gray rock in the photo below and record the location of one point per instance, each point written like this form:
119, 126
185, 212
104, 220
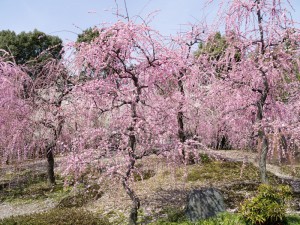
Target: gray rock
204, 203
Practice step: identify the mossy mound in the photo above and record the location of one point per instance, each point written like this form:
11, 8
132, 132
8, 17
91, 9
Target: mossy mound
57, 217
33, 190
81, 196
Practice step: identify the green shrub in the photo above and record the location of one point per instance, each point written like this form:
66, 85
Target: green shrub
204, 158
57, 217
268, 207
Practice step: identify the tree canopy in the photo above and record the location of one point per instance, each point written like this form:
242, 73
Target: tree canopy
26, 47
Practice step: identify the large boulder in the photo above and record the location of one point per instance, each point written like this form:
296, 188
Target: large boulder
204, 203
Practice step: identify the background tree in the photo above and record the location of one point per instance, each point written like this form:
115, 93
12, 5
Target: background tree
38, 55
16, 126
88, 35
214, 51
214, 46
26, 47
253, 85
180, 86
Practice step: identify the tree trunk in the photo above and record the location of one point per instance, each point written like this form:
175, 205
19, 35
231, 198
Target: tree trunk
50, 166
135, 203
134, 198
131, 153
263, 159
50, 147
180, 116
261, 103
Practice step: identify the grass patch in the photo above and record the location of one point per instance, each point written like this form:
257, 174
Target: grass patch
221, 171
218, 171
293, 220
223, 219
57, 217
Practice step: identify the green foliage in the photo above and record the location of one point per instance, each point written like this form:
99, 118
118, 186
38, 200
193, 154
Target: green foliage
27, 47
8, 41
87, 35
268, 207
57, 217
215, 47
204, 158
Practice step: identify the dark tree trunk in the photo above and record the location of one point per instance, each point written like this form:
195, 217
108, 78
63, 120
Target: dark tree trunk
181, 134
133, 216
180, 116
51, 146
50, 166
132, 142
134, 211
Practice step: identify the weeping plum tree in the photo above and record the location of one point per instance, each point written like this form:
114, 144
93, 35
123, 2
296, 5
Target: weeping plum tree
32, 115
263, 82
131, 120
16, 127
39, 58
48, 95
181, 88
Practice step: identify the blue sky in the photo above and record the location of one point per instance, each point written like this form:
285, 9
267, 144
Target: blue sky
66, 18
